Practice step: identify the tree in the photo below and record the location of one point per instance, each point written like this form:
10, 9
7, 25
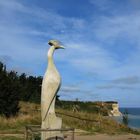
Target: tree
30, 88
9, 92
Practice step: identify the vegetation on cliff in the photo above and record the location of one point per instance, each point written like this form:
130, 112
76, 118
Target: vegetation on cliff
98, 107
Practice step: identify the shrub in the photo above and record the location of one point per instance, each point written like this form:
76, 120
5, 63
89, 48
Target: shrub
125, 119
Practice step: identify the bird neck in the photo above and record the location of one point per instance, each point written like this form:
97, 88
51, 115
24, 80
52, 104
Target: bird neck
50, 56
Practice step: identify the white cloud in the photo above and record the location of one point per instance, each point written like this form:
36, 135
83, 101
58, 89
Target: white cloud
125, 26
128, 80
70, 89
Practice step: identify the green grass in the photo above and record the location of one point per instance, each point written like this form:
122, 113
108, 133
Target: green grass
100, 124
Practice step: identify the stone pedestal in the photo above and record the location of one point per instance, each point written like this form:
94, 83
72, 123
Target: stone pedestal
51, 122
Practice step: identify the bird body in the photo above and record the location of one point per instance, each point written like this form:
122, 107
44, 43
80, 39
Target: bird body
50, 86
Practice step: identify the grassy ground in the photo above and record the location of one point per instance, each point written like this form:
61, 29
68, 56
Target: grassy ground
30, 114
93, 123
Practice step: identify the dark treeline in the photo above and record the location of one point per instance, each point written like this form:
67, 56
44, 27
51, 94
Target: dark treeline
28, 88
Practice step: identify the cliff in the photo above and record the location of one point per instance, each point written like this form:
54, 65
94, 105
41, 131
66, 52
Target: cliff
109, 108
114, 109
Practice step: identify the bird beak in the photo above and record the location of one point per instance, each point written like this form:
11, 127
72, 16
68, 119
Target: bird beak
61, 47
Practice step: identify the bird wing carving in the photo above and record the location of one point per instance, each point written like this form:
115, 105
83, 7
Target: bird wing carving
49, 91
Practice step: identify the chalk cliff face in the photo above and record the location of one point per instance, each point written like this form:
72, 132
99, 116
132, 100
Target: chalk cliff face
115, 110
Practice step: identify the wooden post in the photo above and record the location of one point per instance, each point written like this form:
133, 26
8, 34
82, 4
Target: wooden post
26, 133
33, 136
73, 134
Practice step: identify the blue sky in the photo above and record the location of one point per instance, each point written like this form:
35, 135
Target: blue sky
102, 39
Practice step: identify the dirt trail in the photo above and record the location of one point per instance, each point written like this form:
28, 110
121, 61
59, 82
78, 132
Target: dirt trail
78, 136
108, 137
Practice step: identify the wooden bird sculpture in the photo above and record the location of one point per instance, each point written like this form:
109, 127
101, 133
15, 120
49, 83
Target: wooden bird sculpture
50, 86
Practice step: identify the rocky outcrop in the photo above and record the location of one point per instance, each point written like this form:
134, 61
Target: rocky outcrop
115, 110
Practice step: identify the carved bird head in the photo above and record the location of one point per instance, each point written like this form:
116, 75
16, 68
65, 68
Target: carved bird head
56, 44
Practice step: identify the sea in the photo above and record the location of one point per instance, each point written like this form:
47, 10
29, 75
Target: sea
133, 117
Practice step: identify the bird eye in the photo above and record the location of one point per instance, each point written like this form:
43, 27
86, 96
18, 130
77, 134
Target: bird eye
50, 43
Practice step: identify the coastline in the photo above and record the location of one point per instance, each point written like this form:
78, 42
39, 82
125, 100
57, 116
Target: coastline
133, 117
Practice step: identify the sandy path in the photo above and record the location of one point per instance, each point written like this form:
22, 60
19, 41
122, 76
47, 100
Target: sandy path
108, 137
89, 137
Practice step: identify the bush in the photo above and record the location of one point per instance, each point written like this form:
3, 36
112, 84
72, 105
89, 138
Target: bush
125, 119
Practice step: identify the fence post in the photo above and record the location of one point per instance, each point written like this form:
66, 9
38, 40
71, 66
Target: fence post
33, 136
73, 134
26, 133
